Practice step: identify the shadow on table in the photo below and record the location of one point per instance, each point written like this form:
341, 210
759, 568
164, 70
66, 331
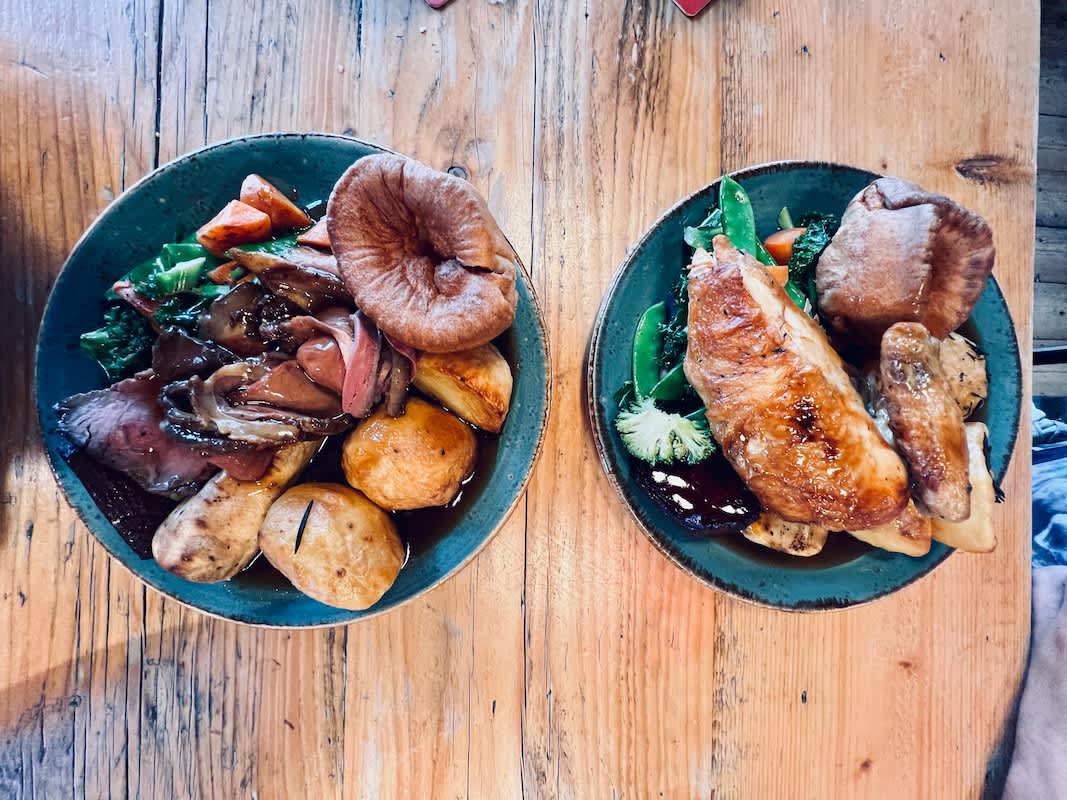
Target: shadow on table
996, 773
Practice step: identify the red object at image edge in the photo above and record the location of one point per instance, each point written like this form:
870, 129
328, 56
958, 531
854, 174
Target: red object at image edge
691, 7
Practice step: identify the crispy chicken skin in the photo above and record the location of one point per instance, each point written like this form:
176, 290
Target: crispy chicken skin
780, 403
926, 420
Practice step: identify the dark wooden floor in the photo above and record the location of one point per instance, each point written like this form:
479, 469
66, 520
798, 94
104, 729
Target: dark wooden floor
1050, 268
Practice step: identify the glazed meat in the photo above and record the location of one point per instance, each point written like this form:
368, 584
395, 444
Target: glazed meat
926, 421
903, 255
780, 403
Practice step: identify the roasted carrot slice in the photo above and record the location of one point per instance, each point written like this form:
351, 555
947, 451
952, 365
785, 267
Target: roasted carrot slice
262, 194
779, 273
780, 244
316, 236
237, 223
223, 273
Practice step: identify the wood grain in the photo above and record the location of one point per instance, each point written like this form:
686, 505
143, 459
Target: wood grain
570, 659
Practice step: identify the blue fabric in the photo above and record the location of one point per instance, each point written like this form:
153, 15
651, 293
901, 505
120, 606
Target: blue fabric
1050, 513
1049, 492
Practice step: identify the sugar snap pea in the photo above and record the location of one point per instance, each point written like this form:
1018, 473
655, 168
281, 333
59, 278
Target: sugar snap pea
671, 386
795, 295
648, 342
738, 220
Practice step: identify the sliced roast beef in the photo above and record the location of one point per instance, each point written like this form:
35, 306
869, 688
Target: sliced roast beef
287, 386
321, 359
244, 465
369, 360
119, 427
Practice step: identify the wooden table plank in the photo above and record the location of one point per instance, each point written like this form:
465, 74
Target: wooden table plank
570, 660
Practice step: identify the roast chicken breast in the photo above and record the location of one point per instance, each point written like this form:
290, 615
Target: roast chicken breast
780, 403
926, 420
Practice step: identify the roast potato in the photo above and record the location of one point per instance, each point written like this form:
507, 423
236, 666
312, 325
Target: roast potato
417, 460
975, 534
909, 533
347, 555
794, 538
211, 536
965, 370
474, 384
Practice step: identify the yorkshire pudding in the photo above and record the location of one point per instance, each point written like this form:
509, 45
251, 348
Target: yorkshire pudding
421, 254
903, 254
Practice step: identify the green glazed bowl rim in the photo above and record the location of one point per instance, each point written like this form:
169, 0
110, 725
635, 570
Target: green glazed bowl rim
127, 560
599, 425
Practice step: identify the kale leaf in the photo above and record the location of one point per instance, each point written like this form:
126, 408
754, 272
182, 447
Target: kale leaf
676, 330
182, 311
807, 249
123, 345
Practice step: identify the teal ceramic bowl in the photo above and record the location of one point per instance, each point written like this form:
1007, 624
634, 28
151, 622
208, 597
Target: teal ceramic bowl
846, 573
172, 202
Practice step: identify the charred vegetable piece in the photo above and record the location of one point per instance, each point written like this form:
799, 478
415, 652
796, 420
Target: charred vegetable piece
965, 370
974, 534
908, 534
792, 538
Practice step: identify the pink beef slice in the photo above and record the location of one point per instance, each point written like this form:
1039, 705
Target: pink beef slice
119, 427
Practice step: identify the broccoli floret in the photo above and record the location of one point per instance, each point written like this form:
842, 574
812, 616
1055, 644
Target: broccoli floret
123, 345
657, 437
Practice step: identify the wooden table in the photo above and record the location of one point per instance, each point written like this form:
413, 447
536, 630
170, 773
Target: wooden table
571, 659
